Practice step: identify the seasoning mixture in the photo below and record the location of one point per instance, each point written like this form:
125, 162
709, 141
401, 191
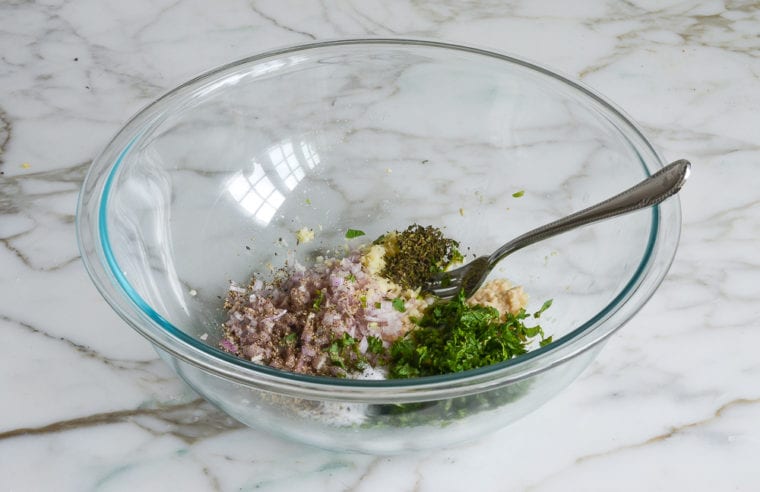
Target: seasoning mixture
364, 315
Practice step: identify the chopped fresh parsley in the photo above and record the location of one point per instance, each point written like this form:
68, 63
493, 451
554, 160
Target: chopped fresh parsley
352, 233
398, 305
544, 307
453, 336
518, 194
318, 300
375, 345
351, 277
344, 353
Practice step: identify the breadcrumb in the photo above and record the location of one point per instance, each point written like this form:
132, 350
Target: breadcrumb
500, 294
304, 235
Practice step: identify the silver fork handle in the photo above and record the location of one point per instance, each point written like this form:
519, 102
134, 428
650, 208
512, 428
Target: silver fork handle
654, 189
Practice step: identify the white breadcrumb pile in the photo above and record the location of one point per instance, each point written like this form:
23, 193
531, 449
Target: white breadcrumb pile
502, 295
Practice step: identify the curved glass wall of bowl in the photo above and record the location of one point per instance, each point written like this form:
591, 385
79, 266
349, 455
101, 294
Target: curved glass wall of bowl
384, 428
346, 151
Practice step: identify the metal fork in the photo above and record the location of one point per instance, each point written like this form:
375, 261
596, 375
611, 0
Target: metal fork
653, 190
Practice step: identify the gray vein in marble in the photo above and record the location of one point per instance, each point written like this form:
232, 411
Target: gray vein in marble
369, 469
375, 25
13, 200
710, 144
10, 191
83, 350
104, 58
27, 261
418, 476
460, 11
455, 143
213, 479
5, 134
279, 25
695, 33
692, 29
157, 18
191, 422
182, 419
672, 432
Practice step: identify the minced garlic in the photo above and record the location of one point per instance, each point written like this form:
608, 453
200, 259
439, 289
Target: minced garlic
304, 235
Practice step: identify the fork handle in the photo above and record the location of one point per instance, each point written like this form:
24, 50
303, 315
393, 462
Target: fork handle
653, 190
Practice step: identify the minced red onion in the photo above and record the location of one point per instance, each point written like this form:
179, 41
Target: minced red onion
337, 295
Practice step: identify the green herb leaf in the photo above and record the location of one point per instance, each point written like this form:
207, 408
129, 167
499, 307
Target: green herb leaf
453, 336
378, 305
344, 353
413, 254
335, 356
351, 277
352, 233
544, 307
348, 340
518, 194
398, 305
318, 300
456, 256
375, 345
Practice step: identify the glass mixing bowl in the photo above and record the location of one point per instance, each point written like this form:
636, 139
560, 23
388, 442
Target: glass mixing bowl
209, 183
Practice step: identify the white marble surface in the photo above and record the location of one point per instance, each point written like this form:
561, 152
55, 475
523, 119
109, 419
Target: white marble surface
673, 401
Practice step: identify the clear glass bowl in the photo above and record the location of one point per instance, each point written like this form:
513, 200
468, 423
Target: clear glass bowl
209, 184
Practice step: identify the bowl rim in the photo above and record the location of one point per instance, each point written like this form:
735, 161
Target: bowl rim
108, 278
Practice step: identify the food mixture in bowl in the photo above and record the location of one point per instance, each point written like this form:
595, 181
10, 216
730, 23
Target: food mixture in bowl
365, 316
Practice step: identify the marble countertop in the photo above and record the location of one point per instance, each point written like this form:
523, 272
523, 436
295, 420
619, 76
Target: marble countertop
672, 402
